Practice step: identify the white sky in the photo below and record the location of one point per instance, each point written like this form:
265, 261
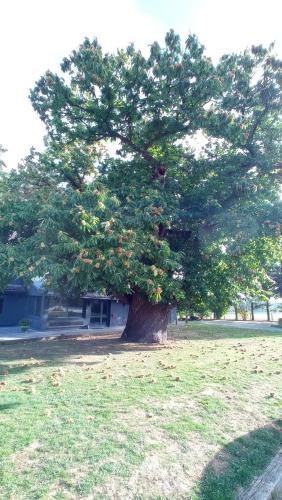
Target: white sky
35, 35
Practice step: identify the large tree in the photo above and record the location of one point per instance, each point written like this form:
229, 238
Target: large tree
160, 182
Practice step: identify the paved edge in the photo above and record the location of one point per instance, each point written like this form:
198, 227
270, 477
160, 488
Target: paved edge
58, 336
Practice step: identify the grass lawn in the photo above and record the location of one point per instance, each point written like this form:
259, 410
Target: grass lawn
95, 418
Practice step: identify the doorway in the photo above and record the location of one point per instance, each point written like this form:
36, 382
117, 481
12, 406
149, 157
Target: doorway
100, 312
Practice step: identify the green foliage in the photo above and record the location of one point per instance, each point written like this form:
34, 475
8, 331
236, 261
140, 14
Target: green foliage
160, 174
24, 324
2, 150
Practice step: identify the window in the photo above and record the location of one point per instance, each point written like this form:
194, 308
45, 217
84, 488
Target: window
100, 311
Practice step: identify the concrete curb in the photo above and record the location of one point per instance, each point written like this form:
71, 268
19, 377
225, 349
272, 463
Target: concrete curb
268, 486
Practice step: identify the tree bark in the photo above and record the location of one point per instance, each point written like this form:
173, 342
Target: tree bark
146, 322
252, 312
267, 311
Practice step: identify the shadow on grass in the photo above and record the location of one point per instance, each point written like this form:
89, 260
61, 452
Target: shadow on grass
51, 352
8, 406
54, 351
239, 462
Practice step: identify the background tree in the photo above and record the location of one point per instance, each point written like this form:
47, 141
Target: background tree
2, 150
160, 183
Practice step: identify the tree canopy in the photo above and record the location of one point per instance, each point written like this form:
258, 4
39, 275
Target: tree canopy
160, 179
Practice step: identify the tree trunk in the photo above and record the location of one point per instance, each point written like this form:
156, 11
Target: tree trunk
146, 322
267, 311
252, 312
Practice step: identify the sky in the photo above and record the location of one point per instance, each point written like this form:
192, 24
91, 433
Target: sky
35, 35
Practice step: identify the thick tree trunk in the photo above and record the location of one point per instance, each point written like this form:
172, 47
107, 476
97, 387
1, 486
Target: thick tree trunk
146, 322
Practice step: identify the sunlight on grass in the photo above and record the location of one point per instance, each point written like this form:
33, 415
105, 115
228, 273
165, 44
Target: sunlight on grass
195, 418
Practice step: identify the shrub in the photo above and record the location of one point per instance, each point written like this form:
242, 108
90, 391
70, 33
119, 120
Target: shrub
24, 324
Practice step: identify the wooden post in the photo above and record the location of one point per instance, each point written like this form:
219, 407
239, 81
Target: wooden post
267, 311
236, 312
252, 311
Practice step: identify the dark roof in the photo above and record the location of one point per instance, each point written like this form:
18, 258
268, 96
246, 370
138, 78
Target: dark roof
16, 286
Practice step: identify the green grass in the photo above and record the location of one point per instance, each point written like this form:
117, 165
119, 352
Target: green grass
197, 418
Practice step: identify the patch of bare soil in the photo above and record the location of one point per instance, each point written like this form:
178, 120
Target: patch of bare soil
174, 406
238, 422
24, 459
59, 488
221, 462
168, 470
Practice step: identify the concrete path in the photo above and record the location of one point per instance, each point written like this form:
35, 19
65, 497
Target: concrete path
14, 333
250, 325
